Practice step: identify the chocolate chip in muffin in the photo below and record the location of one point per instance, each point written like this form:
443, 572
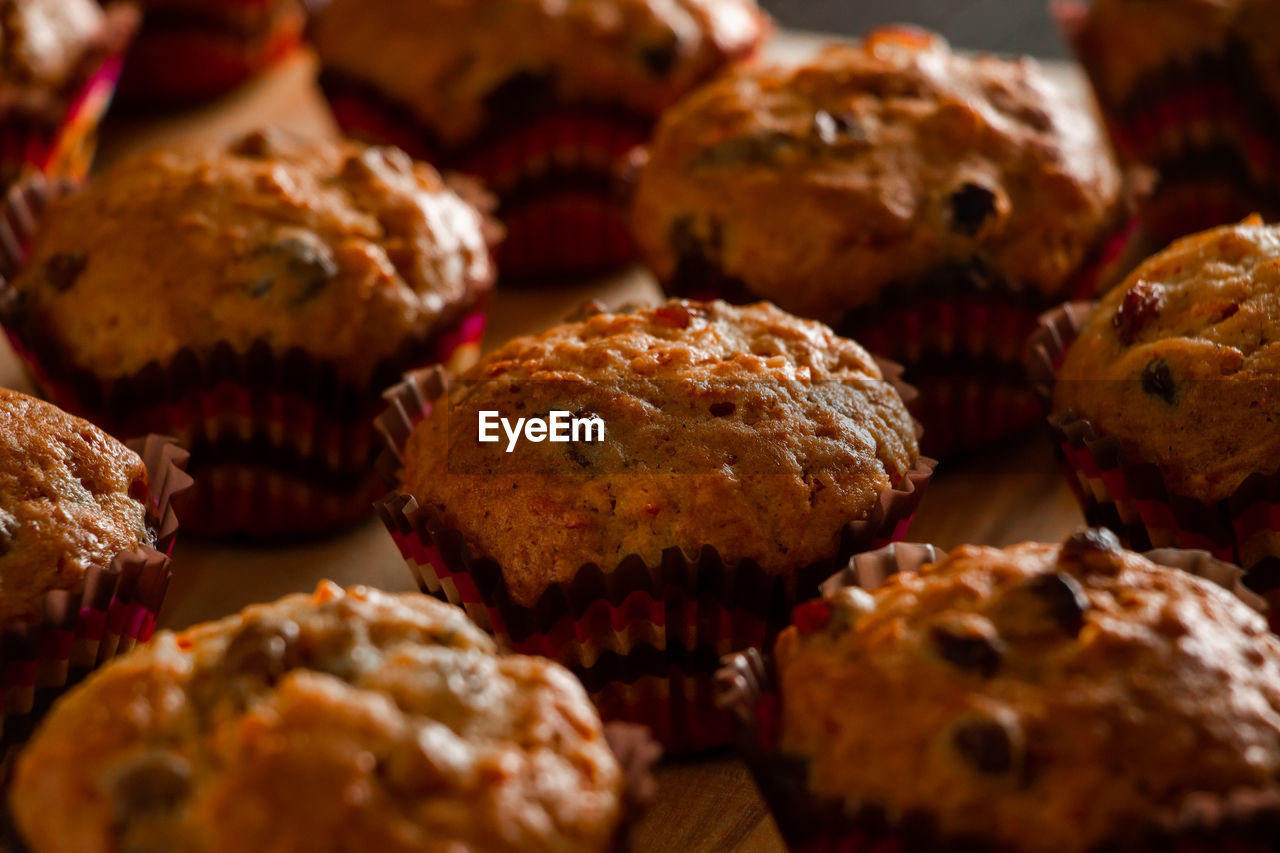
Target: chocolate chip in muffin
971, 206
1158, 381
991, 746
63, 270
8, 531
1142, 304
1048, 606
265, 648
154, 782
968, 641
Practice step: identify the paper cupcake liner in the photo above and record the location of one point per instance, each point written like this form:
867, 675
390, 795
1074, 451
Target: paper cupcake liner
114, 610
644, 639
958, 331
1132, 498
554, 172
58, 137
177, 61
1204, 123
746, 687
280, 445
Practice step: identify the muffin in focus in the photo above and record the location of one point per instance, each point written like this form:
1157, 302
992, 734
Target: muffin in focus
253, 300
325, 722
1164, 404
542, 101
1191, 89
192, 50
927, 203
744, 455
1033, 698
79, 525
61, 65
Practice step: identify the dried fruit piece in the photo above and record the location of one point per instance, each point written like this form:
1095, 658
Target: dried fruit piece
63, 270
1047, 606
971, 206
1092, 540
723, 410
968, 641
1158, 381
1141, 304
659, 59
264, 648
301, 259
152, 783
991, 746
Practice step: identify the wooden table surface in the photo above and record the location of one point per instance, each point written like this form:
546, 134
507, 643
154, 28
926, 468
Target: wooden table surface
705, 803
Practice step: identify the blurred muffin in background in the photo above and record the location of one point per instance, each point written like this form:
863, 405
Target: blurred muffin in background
1190, 88
929, 204
543, 101
253, 300
192, 50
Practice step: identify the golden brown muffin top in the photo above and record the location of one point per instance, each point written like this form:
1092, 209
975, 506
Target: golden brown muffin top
341, 250
443, 59
1052, 697
821, 185
743, 428
70, 498
42, 42
336, 721
1181, 361
1127, 41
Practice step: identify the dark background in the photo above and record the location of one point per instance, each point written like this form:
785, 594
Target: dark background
1007, 26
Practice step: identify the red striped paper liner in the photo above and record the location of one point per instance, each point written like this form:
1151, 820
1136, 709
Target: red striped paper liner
115, 608
746, 686
1129, 496
644, 639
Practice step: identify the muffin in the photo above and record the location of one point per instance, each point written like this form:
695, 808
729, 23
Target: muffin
192, 50
1190, 88
1164, 400
543, 101
744, 455
253, 300
351, 720
1034, 698
81, 579
61, 65
926, 203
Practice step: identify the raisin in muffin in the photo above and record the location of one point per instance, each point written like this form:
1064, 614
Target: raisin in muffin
926, 202
745, 455
190, 50
1191, 89
1037, 698
1181, 362
274, 285
71, 498
543, 101
333, 721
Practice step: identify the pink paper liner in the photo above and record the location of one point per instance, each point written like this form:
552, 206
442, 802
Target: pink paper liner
1244, 821
1203, 123
280, 446
644, 639
553, 175
59, 140
1132, 498
114, 610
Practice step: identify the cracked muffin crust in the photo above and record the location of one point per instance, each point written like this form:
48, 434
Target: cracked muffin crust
1181, 361
446, 62
1037, 697
880, 162
71, 497
325, 722
743, 428
343, 251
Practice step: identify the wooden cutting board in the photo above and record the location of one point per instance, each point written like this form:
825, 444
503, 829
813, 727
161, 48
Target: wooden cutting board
705, 803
